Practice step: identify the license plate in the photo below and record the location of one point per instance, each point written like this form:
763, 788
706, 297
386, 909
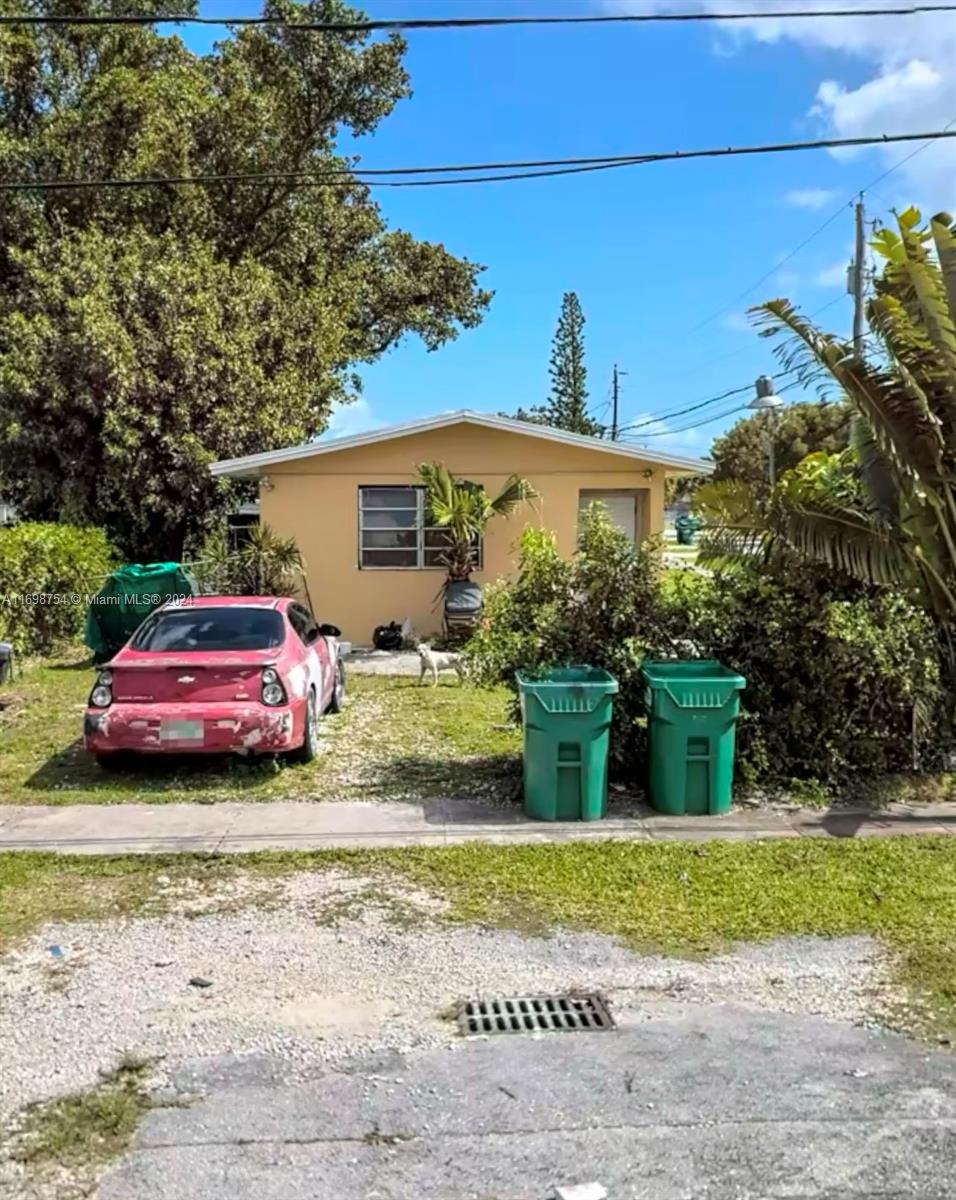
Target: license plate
181, 731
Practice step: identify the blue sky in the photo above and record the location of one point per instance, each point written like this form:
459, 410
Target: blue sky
655, 253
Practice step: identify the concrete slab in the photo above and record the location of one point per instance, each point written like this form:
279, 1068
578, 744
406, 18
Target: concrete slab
149, 827
543, 832
733, 826
709, 1101
850, 824
236, 827
10, 814
365, 661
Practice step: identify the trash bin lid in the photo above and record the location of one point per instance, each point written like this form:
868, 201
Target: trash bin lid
568, 689
693, 683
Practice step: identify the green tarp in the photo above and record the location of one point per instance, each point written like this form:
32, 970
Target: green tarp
127, 597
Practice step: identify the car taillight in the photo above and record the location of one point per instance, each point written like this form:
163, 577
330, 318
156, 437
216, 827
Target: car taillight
273, 692
102, 693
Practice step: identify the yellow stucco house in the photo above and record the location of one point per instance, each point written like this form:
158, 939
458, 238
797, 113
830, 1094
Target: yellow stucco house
354, 509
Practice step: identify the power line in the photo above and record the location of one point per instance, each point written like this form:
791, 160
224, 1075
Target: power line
816, 233
410, 23
680, 412
667, 416
348, 176
653, 419
686, 428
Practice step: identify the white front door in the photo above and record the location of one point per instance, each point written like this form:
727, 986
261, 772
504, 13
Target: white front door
621, 508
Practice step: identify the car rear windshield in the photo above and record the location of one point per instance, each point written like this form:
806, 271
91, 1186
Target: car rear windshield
234, 628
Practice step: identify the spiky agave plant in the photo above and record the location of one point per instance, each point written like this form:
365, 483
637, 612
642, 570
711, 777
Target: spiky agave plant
265, 565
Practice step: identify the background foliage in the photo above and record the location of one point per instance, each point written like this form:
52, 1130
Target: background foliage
56, 560
884, 511
835, 671
801, 429
147, 331
264, 565
602, 608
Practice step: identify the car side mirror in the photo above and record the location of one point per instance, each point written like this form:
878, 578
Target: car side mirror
330, 631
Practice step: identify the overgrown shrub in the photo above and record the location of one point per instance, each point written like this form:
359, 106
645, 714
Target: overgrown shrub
602, 608
46, 573
841, 679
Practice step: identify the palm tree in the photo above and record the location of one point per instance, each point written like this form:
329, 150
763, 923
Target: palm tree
464, 511
884, 511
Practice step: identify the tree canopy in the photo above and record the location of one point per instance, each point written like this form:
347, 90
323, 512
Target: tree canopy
801, 429
567, 406
146, 331
883, 511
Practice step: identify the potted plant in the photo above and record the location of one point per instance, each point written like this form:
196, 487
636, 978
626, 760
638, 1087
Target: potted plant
462, 511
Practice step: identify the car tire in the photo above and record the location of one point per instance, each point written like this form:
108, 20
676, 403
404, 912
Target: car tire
337, 699
310, 739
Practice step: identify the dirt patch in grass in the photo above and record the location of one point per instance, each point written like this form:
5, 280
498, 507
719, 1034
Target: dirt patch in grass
395, 740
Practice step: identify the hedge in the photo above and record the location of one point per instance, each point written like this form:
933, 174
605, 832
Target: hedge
47, 572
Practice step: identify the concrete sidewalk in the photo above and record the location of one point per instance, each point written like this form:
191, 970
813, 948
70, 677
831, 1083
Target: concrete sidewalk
232, 828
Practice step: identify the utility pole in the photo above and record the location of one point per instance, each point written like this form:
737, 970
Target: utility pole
615, 396
859, 276
857, 288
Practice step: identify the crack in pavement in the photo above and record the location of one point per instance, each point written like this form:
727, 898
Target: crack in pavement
403, 1138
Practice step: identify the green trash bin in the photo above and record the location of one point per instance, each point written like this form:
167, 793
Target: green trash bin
692, 710
567, 732
687, 527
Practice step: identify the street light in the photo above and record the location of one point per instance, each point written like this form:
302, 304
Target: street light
766, 400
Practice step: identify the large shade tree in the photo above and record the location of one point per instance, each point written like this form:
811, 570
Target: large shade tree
797, 430
146, 331
883, 511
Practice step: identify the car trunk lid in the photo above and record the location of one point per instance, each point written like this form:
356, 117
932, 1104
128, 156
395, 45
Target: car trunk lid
170, 678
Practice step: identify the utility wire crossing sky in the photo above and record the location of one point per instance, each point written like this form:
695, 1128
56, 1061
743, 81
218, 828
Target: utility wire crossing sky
410, 23
345, 176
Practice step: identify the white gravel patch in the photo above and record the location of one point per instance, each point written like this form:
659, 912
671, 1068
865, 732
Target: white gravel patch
330, 964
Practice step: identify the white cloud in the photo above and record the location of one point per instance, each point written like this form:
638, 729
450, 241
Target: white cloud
812, 198
911, 85
347, 420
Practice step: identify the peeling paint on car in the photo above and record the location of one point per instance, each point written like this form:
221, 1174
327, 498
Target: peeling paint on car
298, 677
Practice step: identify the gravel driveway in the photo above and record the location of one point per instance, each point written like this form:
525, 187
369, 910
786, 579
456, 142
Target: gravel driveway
312, 975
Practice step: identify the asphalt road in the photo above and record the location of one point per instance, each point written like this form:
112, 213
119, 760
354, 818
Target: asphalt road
697, 1103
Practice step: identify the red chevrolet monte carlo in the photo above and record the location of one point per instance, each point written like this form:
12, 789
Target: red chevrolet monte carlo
218, 675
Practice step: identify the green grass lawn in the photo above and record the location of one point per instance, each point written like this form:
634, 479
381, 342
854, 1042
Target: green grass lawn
394, 740
677, 898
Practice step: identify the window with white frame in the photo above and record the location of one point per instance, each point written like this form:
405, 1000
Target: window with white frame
393, 534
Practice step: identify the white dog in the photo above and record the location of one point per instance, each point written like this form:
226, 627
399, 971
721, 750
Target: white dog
438, 660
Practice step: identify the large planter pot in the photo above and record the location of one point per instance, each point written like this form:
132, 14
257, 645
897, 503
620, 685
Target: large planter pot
463, 607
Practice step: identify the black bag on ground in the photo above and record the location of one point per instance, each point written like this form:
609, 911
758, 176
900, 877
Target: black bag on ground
387, 637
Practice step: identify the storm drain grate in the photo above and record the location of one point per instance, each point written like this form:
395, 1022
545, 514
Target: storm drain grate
536, 1014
